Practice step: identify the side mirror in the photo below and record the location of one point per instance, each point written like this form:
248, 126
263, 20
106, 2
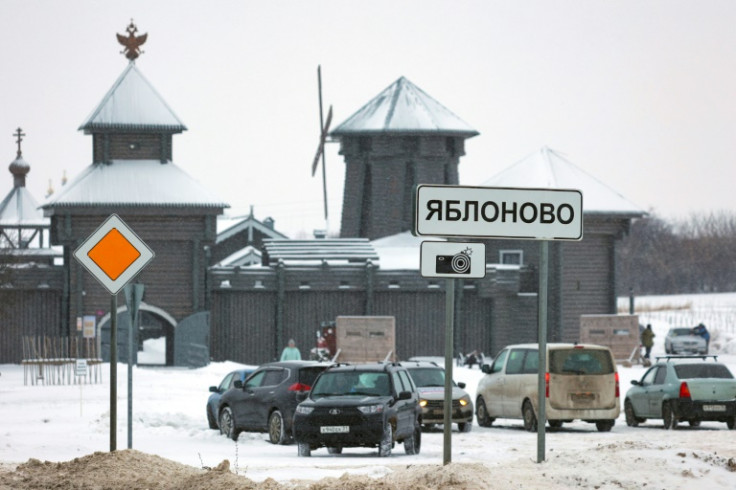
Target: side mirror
486, 369
238, 383
461, 385
213, 389
405, 395
301, 396
635, 382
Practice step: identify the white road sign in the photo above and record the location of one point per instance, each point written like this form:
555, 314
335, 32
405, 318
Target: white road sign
498, 212
454, 260
114, 254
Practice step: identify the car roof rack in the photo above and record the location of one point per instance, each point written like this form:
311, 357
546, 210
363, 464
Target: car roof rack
693, 356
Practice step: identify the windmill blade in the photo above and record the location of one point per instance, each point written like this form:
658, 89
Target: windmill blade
322, 139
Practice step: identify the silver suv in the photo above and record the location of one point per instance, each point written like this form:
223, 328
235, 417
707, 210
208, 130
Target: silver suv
581, 383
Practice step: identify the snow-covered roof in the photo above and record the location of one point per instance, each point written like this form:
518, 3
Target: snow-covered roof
404, 107
134, 183
400, 251
133, 104
228, 226
547, 168
244, 257
19, 208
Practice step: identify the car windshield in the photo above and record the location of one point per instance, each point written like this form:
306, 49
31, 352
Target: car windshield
580, 361
425, 377
678, 332
704, 370
343, 383
307, 375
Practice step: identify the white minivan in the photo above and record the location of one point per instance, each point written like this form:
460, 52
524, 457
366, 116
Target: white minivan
581, 384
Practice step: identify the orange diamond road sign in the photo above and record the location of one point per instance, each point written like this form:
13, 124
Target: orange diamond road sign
114, 254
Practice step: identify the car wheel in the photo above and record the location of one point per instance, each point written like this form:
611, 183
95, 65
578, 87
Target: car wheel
694, 423
227, 424
530, 420
387, 441
334, 450
604, 425
631, 419
211, 418
429, 426
413, 444
481, 413
731, 423
668, 417
304, 450
276, 432
465, 426
555, 424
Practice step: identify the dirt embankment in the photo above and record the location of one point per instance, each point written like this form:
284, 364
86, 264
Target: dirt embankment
133, 470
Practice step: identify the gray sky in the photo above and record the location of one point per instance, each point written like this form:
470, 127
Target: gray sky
636, 93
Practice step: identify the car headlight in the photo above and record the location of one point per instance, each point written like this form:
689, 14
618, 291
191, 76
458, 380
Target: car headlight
369, 409
464, 401
422, 402
304, 410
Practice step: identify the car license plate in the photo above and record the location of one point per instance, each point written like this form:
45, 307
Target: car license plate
714, 408
583, 397
334, 429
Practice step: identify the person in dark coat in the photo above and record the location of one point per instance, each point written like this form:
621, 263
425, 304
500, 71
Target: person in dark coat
647, 340
701, 331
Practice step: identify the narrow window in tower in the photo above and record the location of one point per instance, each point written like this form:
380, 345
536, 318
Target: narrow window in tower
410, 181
450, 146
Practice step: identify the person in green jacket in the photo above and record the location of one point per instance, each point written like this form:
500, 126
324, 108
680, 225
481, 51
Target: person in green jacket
647, 340
290, 352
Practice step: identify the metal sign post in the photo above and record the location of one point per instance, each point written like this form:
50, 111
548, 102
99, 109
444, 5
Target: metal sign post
113, 254
133, 298
449, 354
80, 370
542, 325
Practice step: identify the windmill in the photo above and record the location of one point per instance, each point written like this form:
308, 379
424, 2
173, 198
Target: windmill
324, 127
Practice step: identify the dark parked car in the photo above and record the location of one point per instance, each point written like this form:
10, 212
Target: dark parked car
267, 399
214, 400
363, 405
430, 381
683, 389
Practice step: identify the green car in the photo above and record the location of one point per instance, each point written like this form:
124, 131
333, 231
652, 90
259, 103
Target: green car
683, 388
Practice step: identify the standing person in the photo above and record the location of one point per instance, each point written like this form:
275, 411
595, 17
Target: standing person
290, 352
647, 340
703, 332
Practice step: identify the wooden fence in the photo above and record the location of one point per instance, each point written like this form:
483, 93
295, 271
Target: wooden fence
52, 360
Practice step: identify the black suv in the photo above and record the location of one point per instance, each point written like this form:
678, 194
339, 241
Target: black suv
267, 399
362, 405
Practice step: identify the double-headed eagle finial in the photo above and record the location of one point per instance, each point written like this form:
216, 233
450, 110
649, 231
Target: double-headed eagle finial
132, 42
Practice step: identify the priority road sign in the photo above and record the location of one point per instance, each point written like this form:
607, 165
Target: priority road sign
114, 254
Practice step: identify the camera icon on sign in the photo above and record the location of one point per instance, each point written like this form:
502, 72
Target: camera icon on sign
453, 264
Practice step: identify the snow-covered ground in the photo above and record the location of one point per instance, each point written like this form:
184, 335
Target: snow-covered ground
62, 422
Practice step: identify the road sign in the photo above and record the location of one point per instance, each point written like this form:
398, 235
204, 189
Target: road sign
498, 212
454, 260
80, 367
114, 254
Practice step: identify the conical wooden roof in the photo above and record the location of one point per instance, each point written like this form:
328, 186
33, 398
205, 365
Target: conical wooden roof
132, 104
404, 108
